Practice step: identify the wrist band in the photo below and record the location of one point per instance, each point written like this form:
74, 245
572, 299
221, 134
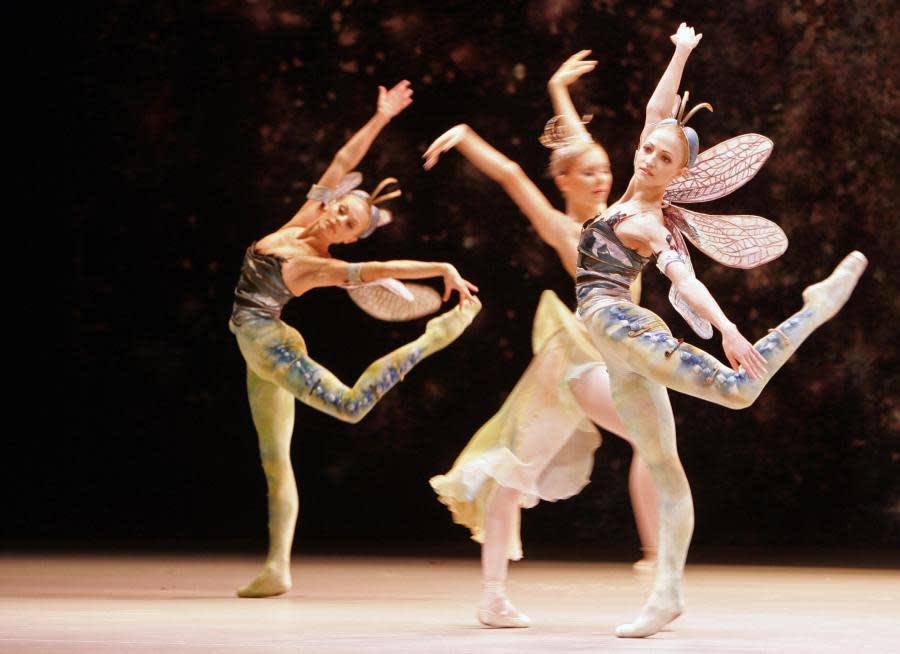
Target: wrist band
354, 273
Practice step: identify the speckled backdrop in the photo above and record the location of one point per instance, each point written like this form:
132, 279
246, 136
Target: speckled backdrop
194, 128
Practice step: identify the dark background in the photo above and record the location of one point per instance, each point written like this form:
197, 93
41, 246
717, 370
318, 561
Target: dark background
193, 128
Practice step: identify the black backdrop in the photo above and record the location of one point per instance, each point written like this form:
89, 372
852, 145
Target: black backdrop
194, 128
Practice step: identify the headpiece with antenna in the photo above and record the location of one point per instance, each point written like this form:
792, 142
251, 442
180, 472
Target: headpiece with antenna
347, 186
689, 137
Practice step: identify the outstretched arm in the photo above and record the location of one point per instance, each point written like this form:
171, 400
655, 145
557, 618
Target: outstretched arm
558, 87
313, 272
553, 226
666, 94
738, 349
390, 103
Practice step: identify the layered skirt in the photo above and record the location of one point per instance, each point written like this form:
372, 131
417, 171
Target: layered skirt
540, 442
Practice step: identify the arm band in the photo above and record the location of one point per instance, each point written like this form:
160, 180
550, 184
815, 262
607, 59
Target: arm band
665, 258
354, 273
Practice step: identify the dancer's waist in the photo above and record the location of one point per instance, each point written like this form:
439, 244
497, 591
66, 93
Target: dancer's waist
593, 297
261, 292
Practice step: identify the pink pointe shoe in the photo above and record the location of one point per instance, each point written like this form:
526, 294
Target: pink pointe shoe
505, 616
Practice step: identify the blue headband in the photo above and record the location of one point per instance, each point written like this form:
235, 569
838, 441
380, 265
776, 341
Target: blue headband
373, 213
689, 137
691, 140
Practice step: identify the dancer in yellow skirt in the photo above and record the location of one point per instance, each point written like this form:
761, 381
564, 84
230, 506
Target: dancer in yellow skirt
540, 444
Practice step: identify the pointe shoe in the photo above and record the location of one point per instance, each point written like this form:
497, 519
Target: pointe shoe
651, 621
644, 566
268, 584
506, 617
447, 327
829, 295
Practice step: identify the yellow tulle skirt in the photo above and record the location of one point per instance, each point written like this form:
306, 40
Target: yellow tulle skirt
540, 442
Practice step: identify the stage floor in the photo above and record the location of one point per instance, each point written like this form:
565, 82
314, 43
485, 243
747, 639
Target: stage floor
103, 604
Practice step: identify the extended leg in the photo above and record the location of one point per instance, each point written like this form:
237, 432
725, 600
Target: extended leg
279, 355
647, 415
643, 342
273, 416
501, 523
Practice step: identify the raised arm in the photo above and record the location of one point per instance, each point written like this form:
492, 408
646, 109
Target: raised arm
390, 103
558, 87
554, 227
315, 272
737, 348
666, 94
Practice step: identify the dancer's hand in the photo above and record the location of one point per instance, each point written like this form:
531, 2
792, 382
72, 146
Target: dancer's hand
442, 143
391, 103
453, 281
572, 68
740, 352
685, 37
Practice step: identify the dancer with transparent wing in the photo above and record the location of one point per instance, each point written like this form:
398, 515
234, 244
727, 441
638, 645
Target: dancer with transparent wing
642, 357
296, 259
540, 444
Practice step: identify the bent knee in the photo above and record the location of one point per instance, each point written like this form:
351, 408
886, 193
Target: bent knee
351, 412
740, 401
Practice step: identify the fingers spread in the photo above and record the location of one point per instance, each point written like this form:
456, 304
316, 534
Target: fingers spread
735, 364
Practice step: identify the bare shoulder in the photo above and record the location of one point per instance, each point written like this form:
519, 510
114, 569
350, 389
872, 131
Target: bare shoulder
303, 272
640, 231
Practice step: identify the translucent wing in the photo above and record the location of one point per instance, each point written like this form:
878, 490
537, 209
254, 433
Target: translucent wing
737, 241
698, 324
347, 184
721, 169
394, 301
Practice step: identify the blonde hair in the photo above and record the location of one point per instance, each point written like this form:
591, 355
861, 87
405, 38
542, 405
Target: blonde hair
564, 144
561, 159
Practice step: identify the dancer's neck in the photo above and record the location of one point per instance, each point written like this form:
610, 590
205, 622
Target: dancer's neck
641, 195
584, 212
314, 236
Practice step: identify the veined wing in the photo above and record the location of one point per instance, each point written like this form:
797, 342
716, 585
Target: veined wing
721, 169
393, 300
738, 241
700, 325
349, 182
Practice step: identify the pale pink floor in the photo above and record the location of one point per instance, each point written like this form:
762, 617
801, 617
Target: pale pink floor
185, 604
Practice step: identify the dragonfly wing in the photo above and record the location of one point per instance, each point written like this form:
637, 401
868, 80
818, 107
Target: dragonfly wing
349, 182
393, 300
700, 325
721, 169
739, 241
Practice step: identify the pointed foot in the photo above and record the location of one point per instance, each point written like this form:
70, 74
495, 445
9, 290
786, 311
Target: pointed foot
660, 610
503, 615
269, 583
447, 327
828, 296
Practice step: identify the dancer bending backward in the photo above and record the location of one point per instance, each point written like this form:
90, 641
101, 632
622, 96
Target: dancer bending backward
642, 357
288, 263
541, 443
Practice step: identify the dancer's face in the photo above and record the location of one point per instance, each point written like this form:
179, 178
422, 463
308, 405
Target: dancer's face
588, 179
343, 221
658, 159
